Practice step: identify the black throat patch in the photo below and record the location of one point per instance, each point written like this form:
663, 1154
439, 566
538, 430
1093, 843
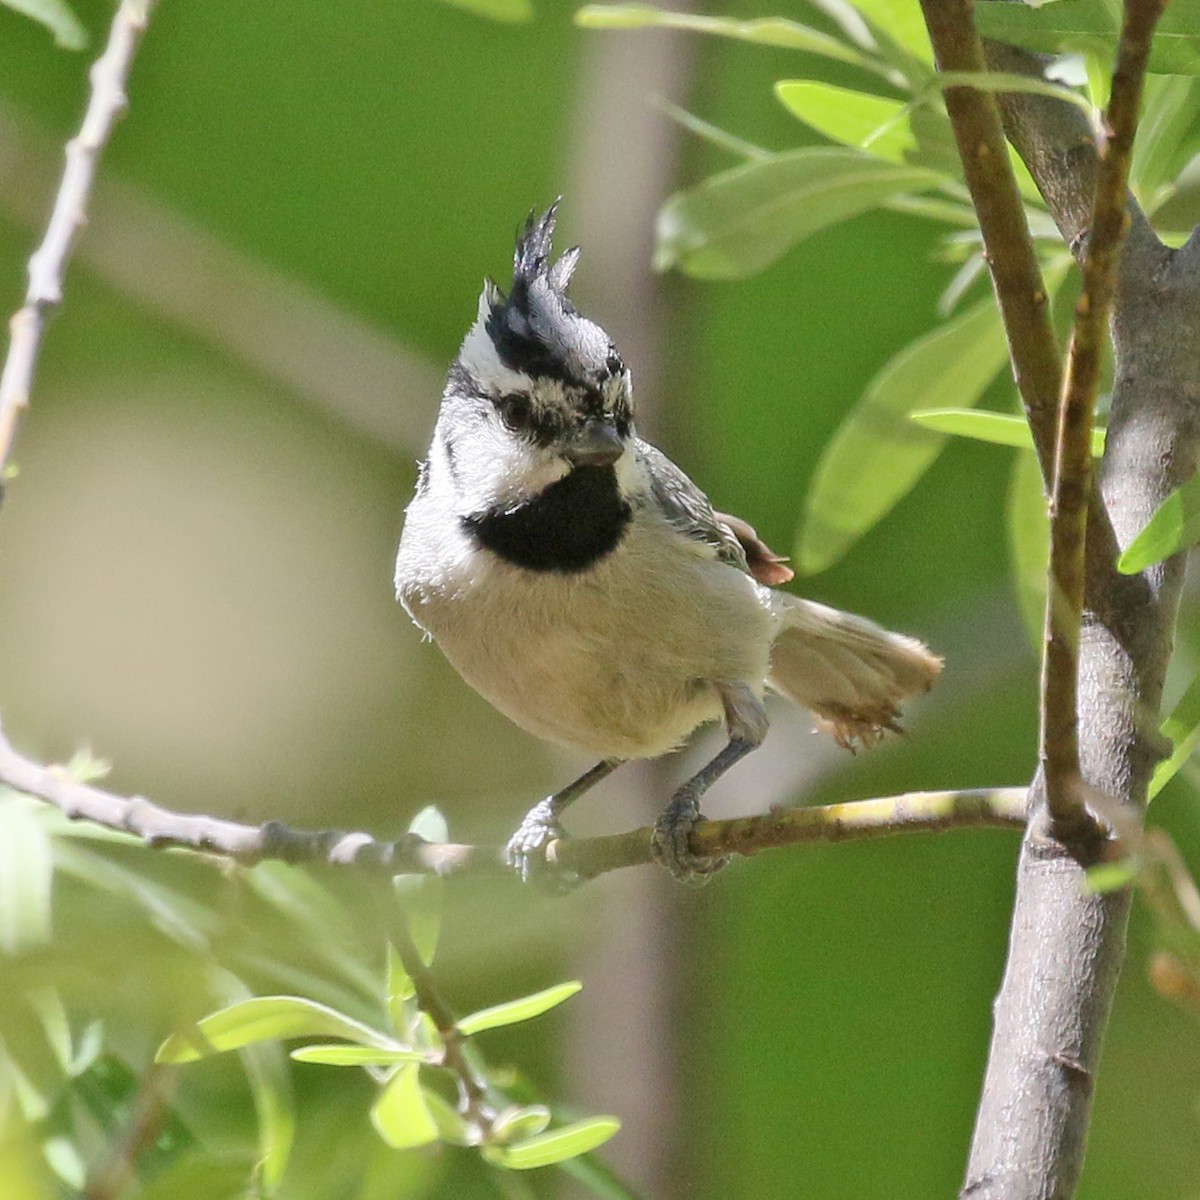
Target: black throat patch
567, 528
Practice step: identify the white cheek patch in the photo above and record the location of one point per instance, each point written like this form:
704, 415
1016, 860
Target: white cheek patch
478, 355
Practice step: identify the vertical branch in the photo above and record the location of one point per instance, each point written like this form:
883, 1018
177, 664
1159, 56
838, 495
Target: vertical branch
48, 263
1059, 750
1016, 276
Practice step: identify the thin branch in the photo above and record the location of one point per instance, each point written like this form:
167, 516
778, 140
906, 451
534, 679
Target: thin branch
150, 1110
1016, 275
48, 263
159, 828
1059, 749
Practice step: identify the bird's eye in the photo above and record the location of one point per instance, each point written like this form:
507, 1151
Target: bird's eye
613, 362
516, 412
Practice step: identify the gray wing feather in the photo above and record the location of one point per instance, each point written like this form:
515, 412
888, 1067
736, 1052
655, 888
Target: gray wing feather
687, 508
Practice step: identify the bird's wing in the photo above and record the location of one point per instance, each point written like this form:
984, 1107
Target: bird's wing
687, 508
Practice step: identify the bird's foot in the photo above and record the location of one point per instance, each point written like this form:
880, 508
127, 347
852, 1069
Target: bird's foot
526, 850
672, 842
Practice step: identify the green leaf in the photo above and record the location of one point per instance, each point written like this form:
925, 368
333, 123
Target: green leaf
64, 25
1166, 137
266, 1018
1002, 429
519, 1122
899, 23
400, 1114
889, 129
1092, 26
568, 1141
1174, 527
1111, 877
26, 877
734, 224
1028, 544
336, 1054
1000, 81
513, 1011
1183, 728
497, 10
878, 455
769, 31
452, 1126
271, 1090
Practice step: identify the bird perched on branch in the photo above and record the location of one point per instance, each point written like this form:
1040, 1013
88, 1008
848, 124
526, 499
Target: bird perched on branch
579, 581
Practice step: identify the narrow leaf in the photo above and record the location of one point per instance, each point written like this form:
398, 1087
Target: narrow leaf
1000, 81
266, 1018
26, 877
1174, 527
65, 27
1028, 544
452, 1126
1002, 429
1183, 728
513, 1011
1111, 877
736, 223
569, 1141
338, 1055
400, 1115
270, 1087
517, 1123
878, 455
769, 31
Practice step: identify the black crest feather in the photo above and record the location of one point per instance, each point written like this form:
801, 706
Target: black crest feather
524, 325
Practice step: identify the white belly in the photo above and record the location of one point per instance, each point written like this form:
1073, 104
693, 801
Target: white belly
618, 661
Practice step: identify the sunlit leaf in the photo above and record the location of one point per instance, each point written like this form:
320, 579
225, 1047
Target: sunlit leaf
1092, 26
1002, 429
1167, 136
889, 129
901, 23
1028, 528
569, 1141
1183, 728
513, 1011
400, 1114
768, 31
452, 1126
338, 1055
878, 454
26, 876
497, 10
1174, 527
1111, 877
734, 224
266, 1018
65, 27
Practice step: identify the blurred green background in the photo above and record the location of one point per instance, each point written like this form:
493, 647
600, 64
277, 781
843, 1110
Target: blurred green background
286, 247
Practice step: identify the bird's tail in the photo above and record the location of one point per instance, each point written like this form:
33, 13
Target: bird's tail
851, 673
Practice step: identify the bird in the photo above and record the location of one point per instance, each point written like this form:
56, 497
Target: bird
578, 580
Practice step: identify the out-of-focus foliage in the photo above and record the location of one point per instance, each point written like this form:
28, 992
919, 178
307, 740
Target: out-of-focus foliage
196, 576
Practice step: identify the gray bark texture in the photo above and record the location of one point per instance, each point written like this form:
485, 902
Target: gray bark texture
1066, 946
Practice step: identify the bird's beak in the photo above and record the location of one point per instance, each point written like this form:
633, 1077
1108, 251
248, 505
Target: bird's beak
596, 444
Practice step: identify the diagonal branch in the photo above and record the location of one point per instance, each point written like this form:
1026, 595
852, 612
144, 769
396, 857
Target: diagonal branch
48, 263
1016, 275
1059, 749
160, 828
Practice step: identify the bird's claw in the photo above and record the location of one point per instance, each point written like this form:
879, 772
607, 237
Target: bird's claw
526, 850
671, 843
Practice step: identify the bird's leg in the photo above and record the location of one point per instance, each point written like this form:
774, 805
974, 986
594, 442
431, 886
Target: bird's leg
526, 849
746, 722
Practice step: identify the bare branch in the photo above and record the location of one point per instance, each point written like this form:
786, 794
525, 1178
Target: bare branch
1016, 275
160, 828
48, 263
1109, 222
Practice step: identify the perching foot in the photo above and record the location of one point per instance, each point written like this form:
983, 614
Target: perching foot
526, 850
672, 841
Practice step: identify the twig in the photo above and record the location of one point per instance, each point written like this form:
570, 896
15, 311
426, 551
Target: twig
1059, 749
1016, 275
159, 828
48, 263
147, 1118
